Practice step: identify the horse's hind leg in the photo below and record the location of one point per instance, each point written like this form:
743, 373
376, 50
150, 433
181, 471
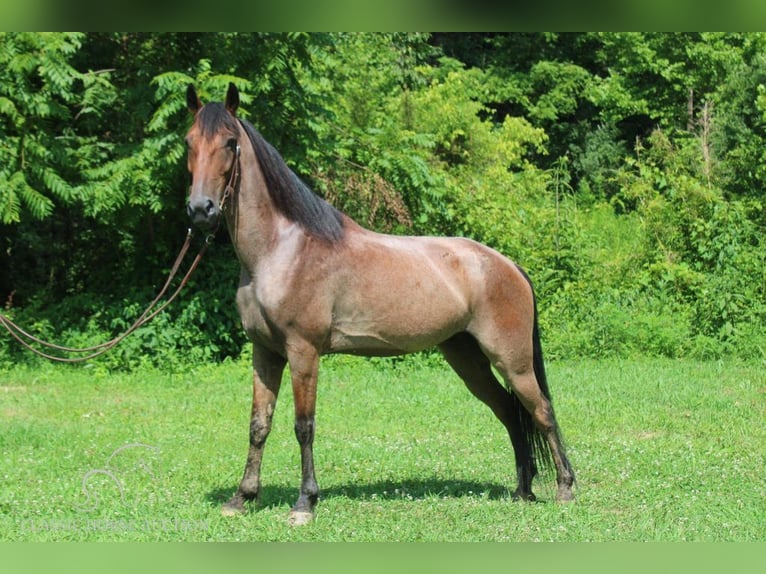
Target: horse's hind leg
515, 365
465, 356
526, 387
267, 377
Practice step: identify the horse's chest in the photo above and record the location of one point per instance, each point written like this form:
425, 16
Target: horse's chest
254, 312
270, 312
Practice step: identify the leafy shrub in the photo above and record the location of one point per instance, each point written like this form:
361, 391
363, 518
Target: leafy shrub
539, 145
201, 326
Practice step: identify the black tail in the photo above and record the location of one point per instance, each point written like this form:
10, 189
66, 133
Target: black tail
537, 444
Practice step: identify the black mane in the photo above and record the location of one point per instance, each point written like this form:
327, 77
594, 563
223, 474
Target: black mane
293, 198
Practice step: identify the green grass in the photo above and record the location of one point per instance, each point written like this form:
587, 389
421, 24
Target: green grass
664, 451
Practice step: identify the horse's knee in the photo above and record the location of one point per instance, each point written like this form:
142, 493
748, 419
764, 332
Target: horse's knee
259, 430
304, 430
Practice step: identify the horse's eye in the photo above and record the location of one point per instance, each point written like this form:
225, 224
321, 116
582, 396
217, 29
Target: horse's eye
232, 144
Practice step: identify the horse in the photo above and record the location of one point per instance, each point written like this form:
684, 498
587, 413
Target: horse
314, 282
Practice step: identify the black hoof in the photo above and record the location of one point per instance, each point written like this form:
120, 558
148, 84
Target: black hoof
526, 496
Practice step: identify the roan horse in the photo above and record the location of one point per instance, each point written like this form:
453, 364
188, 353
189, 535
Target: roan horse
314, 282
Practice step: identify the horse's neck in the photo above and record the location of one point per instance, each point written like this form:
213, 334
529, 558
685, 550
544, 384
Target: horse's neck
252, 220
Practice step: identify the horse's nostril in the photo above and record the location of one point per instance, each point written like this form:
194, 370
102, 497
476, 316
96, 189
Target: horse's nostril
203, 212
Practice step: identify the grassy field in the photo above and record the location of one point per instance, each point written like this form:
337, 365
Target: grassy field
664, 451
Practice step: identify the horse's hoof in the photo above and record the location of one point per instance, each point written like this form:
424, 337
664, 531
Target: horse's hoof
232, 509
525, 496
565, 496
300, 518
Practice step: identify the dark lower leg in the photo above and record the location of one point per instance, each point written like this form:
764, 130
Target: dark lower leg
525, 464
530, 397
309, 492
545, 421
304, 367
250, 485
465, 356
267, 377
564, 473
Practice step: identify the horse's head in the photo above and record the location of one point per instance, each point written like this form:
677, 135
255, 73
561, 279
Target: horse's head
213, 157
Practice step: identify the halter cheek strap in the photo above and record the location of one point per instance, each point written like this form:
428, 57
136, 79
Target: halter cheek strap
233, 177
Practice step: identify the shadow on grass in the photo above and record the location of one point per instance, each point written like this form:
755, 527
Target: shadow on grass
281, 495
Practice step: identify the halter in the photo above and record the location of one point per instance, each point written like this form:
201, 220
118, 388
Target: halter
233, 177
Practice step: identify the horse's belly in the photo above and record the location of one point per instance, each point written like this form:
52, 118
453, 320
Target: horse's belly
382, 344
392, 327
364, 344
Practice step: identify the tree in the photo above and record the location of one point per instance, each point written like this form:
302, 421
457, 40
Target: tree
47, 112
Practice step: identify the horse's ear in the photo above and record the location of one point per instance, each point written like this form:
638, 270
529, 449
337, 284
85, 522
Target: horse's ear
232, 99
192, 100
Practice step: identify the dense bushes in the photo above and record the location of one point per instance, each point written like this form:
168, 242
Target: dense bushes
690, 281
623, 171
201, 326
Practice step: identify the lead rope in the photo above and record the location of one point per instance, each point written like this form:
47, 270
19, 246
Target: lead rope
26, 339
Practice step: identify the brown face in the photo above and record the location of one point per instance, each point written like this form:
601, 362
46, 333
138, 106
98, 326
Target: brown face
212, 158
210, 163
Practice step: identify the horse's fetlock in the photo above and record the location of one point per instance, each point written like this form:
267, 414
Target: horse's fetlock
250, 490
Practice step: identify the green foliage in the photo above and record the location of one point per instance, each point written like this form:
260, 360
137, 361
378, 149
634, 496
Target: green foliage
622, 170
201, 327
597, 161
371, 155
108, 167
45, 109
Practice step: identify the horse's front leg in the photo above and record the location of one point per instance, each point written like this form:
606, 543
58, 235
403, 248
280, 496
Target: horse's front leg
304, 367
267, 377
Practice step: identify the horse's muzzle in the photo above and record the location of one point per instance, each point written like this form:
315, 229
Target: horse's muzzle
204, 213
